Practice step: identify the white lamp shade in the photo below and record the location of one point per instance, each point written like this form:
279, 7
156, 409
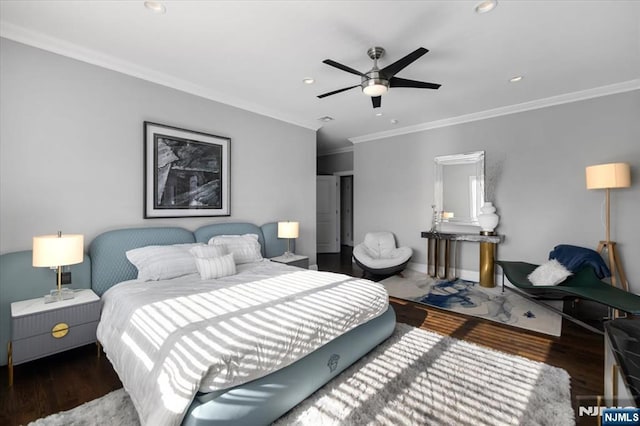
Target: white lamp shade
288, 229
54, 250
612, 175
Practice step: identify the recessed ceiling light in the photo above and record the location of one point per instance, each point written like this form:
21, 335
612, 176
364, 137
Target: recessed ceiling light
308, 80
516, 79
378, 114
155, 6
326, 118
486, 6
394, 121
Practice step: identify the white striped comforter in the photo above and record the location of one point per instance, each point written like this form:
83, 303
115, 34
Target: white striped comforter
169, 339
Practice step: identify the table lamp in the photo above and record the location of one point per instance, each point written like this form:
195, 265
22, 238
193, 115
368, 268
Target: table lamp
610, 176
288, 230
56, 251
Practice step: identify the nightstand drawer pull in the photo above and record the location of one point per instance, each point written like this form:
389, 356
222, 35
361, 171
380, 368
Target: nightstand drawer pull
60, 330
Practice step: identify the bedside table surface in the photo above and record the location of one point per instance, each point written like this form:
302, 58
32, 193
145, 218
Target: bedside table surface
286, 259
31, 306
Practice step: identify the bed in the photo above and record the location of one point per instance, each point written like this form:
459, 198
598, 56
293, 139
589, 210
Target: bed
241, 349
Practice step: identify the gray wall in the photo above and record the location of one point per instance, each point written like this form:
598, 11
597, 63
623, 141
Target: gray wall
71, 152
339, 162
540, 192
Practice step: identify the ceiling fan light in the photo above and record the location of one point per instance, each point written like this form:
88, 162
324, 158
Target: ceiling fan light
375, 89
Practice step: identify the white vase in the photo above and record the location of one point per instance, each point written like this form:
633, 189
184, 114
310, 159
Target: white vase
488, 218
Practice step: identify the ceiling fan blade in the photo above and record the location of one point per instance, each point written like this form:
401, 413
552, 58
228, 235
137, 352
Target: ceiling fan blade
376, 101
391, 70
343, 67
324, 95
403, 82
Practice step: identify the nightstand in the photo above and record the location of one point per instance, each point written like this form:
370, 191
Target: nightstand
293, 260
39, 329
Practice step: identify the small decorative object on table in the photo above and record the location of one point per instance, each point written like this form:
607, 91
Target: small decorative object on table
56, 251
435, 219
488, 219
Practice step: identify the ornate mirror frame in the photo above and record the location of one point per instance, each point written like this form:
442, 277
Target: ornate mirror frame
471, 166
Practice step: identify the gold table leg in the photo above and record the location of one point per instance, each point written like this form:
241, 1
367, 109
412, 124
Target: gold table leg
487, 267
436, 259
429, 256
445, 275
10, 362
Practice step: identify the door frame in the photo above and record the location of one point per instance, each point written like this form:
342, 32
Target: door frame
338, 175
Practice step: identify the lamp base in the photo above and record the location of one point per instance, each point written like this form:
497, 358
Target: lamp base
59, 295
618, 278
288, 254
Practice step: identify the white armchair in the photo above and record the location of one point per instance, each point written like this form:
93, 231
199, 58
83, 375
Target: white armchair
378, 254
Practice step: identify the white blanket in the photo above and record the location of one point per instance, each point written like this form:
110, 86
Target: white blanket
169, 339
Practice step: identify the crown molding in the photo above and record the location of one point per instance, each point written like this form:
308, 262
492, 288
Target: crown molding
71, 50
625, 86
336, 151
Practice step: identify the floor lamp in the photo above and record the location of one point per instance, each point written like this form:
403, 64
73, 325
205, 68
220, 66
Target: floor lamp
607, 177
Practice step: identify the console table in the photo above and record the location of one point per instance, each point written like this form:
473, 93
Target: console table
438, 242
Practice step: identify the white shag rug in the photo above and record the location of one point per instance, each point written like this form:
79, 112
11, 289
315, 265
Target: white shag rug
469, 298
414, 377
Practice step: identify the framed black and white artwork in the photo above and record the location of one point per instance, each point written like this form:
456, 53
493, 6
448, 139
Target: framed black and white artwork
186, 173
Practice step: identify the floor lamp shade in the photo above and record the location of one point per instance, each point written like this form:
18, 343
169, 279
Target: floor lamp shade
612, 175
58, 250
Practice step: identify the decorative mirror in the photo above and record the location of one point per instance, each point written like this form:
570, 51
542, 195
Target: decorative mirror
459, 191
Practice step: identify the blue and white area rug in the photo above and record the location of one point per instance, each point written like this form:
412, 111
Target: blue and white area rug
467, 297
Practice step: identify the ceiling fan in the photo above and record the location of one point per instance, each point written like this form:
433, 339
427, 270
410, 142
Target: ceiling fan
376, 82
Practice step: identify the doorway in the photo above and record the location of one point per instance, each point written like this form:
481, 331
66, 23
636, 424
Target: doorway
346, 210
334, 195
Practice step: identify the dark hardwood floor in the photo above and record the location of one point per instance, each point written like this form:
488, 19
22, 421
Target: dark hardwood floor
63, 381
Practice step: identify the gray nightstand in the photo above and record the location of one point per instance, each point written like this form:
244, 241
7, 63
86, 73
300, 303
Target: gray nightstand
293, 260
39, 329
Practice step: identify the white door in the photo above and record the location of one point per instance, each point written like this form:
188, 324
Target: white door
327, 237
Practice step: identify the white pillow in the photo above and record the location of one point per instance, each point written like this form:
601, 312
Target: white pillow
216, 267
163, 262
549, 273
208, 251
245, 248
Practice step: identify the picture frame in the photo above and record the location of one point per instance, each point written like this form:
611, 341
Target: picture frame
186, 173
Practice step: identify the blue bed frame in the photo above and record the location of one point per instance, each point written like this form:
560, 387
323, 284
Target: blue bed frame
263, 400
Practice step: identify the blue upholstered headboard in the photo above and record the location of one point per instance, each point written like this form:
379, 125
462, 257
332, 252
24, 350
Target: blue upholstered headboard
109, 264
